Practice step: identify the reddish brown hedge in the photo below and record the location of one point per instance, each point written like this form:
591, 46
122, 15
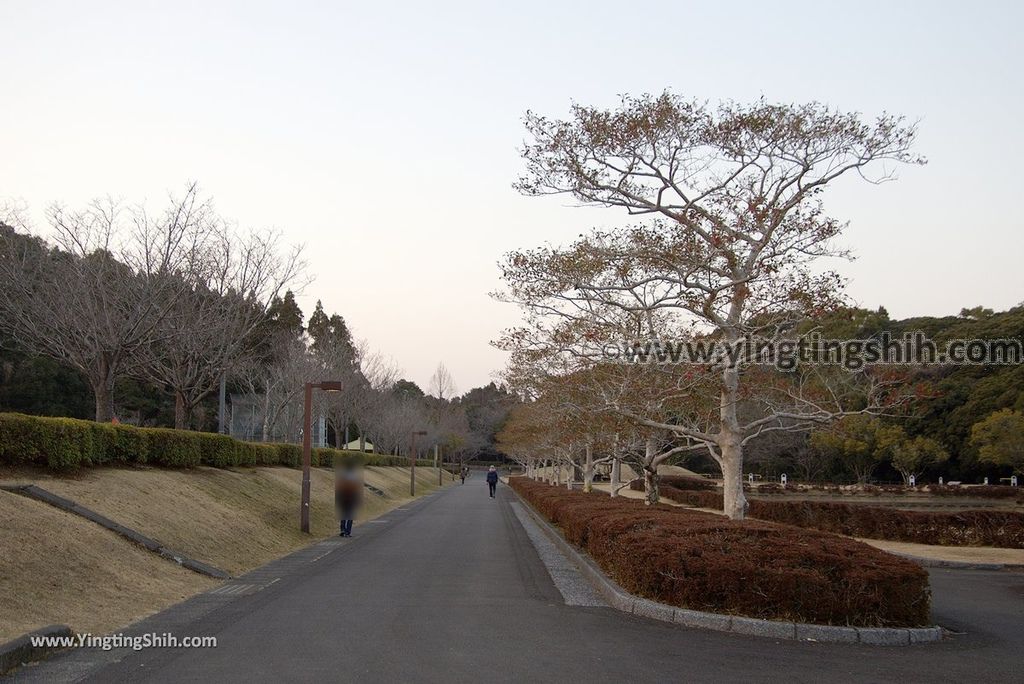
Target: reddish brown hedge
967, 528
759, 569
686, 492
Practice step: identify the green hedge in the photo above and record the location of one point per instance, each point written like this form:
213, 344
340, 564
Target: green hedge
63, 443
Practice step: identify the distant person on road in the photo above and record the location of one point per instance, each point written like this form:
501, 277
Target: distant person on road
492, 480
348, 494
464, 473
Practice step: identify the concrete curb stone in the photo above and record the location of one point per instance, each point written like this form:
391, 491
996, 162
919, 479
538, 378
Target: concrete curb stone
39, 494
20, 651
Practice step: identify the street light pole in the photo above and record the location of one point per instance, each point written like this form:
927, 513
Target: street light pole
412, 463
307, 443
307, 453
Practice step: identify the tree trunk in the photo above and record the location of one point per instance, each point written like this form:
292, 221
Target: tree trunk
103, 390
104, 402
616, 476
731, 445
651, 478
651, 473
266, 418
181, 411
732, 481
588, 470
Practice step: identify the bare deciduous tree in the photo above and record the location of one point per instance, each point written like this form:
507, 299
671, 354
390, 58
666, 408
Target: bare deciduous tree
99, 296
734, 194
211, 325
442, 384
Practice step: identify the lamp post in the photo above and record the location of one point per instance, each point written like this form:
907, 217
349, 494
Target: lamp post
307, 444
412, 462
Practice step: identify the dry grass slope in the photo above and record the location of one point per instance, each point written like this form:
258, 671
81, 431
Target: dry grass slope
58, 568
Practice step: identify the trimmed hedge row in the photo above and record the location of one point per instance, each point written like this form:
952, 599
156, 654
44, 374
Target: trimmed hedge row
686, 492
973, 491
758, 569
63, 443
967, 528
689, 484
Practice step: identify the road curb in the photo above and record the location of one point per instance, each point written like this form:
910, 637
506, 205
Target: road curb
620, 599
959, 565
20, 651
31, 491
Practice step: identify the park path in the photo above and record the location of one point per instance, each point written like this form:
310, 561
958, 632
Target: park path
451, 589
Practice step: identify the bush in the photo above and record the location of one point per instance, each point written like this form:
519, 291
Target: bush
174, 448
689, 484
758, 569
982, 492
63, 443
219, 451
967, 528
54, 442
686, 490
118, 444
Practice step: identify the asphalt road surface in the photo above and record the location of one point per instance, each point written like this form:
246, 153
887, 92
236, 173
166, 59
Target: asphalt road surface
451, 589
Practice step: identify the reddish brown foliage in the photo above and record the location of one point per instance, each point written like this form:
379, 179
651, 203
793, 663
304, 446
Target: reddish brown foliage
968, 528
760, 569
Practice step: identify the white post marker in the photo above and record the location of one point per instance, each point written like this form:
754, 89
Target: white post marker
783, 479
986, 480
913, 481
940, 480
1013, 480
750, 478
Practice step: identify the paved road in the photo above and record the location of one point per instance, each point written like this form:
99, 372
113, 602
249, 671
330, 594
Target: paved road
451, 589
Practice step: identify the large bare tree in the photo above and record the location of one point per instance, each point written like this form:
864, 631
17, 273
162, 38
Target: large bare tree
212, 325
99, 294
733, 232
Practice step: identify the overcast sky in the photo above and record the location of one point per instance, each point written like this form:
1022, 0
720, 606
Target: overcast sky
384, 136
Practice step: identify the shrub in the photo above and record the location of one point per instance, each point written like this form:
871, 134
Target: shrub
174, 448
982, 492
219, 451
758, 569
696, 493
62, 443
118, 444
967, 528
54, 442
288, 455
252, 454
692, 484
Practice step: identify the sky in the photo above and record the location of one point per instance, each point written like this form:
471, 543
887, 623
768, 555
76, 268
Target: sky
384, 137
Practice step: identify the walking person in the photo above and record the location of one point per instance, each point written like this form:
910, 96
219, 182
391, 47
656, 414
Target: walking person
348, 493
492, 480
464, 473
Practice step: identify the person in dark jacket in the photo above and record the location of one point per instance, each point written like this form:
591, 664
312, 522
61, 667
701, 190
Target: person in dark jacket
348, 493
492, 479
